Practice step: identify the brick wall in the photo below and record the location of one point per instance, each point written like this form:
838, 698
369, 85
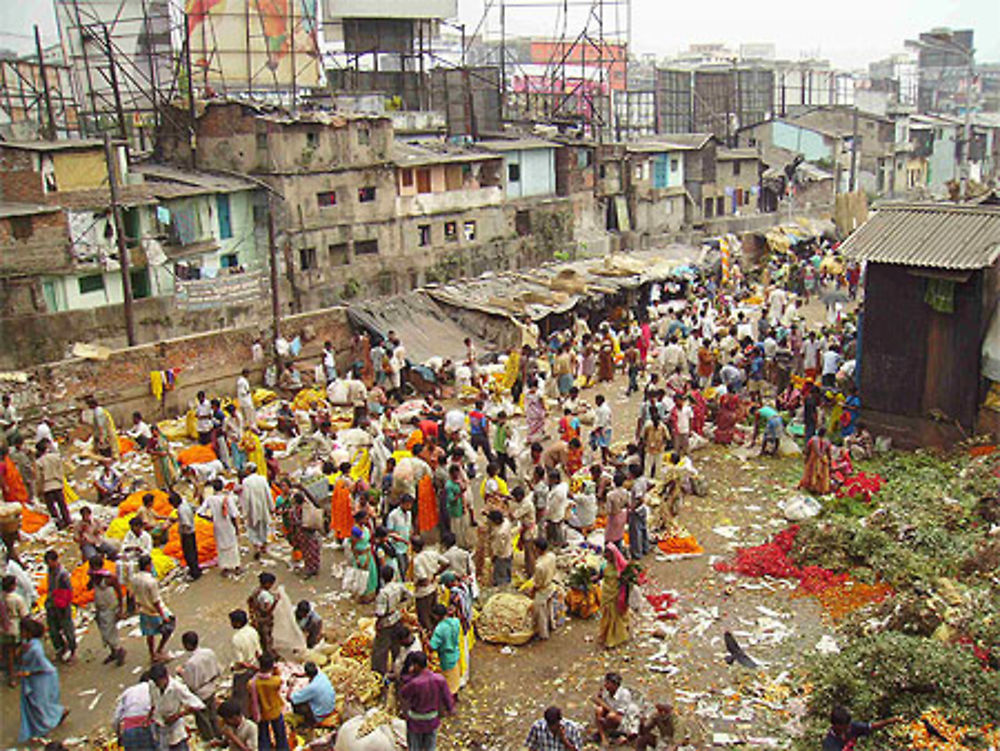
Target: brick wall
45, 250
209, 362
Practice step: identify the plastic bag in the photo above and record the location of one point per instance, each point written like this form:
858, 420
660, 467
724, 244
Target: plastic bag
288, 637
354, 580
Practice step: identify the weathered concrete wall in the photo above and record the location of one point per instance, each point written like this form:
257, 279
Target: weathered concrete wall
209, 362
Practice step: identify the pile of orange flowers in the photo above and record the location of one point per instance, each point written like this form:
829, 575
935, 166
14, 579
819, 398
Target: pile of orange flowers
845, 597
955, 737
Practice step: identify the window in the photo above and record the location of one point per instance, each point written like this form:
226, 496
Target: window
602, 171
130, 220
736, 168
262, 140
312, 139
366, 194
140, 283
21, 227
259, 214
425, 235
338, 254
92, 283
307, 258
513, 173
364, 136
469, 230
326, 198
675, 164
522, 222
423, 181
229, 261
582, 158
451, 231
720, 206
406, 178
709, 205
225, 218
365, 247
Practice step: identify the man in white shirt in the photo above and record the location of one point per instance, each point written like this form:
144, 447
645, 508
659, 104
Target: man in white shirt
246, 653
201, 674
140, 431
171, 702
329, 362
601, 437
811, 349
671, 357
388, 630
244, 398
682, 425
557, 504
777, 301
427, 566
831, 364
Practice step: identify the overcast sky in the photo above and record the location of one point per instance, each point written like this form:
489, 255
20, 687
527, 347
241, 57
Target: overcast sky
849, 32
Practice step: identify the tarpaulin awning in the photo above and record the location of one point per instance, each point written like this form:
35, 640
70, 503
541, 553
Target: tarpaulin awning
424, 329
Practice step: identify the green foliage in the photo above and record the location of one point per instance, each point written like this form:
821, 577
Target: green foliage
895, 674
927, 536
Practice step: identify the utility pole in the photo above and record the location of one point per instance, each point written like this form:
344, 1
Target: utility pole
50, 131
192, 133
123, 259
854, 149
113, 74
966, 167
272, 254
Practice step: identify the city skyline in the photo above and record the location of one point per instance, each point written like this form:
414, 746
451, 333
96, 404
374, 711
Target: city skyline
666, 31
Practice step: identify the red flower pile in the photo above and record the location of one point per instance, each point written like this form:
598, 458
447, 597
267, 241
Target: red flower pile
662, 603
860, 486
771, 559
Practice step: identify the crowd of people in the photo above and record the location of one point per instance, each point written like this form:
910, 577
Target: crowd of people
429, 498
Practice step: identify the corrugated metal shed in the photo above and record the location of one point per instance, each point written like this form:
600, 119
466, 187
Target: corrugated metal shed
931, 235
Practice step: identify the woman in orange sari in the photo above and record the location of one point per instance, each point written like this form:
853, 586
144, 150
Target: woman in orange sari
341, 504
11, 483
816, 474
427, 505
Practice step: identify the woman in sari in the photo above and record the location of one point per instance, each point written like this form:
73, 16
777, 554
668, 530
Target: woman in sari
306, 541
164, 464
361, 557
253, 449
606, 358
816, 474
41, 708
460, 595
341, 503
614, 600
588, 360
726, 419
534, 410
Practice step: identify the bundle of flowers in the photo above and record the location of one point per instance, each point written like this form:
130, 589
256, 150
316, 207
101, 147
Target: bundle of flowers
860, 486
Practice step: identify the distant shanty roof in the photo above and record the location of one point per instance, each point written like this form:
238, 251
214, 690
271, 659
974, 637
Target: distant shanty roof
426, 153
732, 154
66, 144
943, 236
519, 144
8, 209
670, 142
191, 183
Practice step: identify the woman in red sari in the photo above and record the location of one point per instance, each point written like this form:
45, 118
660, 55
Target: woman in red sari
816, 474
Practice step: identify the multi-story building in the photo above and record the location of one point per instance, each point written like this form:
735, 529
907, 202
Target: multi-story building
191, 241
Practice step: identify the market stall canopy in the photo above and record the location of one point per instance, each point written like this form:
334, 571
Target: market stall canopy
422, 326
558, 288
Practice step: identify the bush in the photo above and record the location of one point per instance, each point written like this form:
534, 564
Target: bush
895, 674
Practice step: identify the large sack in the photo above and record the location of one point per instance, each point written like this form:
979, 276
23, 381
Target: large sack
506, 618
357, 733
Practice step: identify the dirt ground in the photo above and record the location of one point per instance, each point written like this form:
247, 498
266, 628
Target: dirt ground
510, 688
